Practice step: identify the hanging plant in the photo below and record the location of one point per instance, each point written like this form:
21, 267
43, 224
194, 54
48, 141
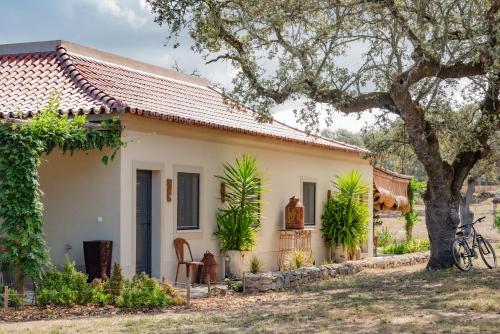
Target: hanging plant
22, 142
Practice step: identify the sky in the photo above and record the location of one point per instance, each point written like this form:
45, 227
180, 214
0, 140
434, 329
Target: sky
127, 28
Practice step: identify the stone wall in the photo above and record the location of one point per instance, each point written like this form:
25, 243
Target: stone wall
279, 280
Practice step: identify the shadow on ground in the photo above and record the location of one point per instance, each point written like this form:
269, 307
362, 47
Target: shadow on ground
372, 302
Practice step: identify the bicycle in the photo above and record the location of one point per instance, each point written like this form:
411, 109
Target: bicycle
463, 252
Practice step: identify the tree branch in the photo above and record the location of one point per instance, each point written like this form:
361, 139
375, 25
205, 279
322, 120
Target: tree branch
427, 69
368, 101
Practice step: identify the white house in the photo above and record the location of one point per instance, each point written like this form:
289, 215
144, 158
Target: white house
177, 128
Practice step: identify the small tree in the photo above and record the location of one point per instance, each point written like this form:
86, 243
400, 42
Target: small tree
114, 285
345, 216
415, 188
239, 219
21, 145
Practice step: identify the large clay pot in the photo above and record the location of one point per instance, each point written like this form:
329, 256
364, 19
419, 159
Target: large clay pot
209, 269
294, 214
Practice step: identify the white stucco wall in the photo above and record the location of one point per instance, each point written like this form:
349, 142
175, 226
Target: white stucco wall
77, 189
167, 148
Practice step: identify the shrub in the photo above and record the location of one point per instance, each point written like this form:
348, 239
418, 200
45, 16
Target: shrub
405, 247
99, 296
15, 300
114, 284
143, 292
67, 287
234, 284
177, 299
326, 262
384, 237
299, 259
239, 220
345, 215
255, 265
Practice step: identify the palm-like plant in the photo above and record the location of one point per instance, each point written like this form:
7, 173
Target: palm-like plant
345, 215
238, 220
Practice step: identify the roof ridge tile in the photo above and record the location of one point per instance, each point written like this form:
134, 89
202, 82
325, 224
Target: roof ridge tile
71, 70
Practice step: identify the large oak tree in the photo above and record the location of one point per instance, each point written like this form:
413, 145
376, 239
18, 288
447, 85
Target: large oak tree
418, 60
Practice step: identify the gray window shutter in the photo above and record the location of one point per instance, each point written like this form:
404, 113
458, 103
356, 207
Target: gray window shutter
188, 201
309, 201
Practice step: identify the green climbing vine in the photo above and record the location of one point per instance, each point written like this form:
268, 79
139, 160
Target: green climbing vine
415, 188
21, 211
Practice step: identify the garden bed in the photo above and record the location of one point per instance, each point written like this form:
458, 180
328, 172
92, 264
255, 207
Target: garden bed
280, 280
67, 293
32, 312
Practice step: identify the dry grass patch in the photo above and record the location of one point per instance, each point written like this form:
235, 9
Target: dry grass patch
410, 300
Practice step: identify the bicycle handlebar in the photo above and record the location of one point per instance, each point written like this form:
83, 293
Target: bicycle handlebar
476, 221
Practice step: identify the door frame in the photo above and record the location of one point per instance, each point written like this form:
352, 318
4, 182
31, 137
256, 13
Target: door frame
158, 198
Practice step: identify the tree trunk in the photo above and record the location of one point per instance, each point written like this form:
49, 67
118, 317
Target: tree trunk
466, 214
19, 281
442, 219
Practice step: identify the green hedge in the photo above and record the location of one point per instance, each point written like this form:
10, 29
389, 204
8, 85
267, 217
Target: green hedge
405, 247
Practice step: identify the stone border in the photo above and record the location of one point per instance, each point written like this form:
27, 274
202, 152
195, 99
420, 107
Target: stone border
280, 280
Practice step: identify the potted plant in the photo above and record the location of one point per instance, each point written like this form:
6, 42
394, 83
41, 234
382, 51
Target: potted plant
345, 217
239, 218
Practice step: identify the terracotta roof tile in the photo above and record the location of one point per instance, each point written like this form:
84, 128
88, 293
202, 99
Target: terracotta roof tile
89, 84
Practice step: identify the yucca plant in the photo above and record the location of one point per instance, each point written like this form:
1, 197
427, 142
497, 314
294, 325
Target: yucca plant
300, 259
255, 265
345, 215
239, 219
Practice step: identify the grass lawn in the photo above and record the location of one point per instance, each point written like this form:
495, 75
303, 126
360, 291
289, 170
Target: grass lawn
408, 300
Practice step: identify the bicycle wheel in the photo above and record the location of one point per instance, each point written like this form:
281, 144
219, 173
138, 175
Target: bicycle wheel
461, 255
487, 253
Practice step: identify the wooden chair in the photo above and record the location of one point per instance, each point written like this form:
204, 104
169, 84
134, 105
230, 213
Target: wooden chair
179, 244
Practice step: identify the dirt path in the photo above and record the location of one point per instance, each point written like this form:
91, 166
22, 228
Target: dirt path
395, 223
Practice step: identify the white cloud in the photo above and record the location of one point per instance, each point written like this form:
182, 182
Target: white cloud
340, 121
135, 12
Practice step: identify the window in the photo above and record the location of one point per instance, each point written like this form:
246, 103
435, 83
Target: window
309, 200
188, 201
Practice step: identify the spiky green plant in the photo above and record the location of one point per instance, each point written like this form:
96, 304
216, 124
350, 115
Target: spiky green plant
385, 237
300, 259
255, 264
239, 219
345, 215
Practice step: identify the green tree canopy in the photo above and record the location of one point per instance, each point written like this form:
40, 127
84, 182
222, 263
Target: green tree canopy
419, 61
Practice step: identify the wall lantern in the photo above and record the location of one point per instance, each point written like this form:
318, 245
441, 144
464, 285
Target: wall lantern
222, 192
169, 190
